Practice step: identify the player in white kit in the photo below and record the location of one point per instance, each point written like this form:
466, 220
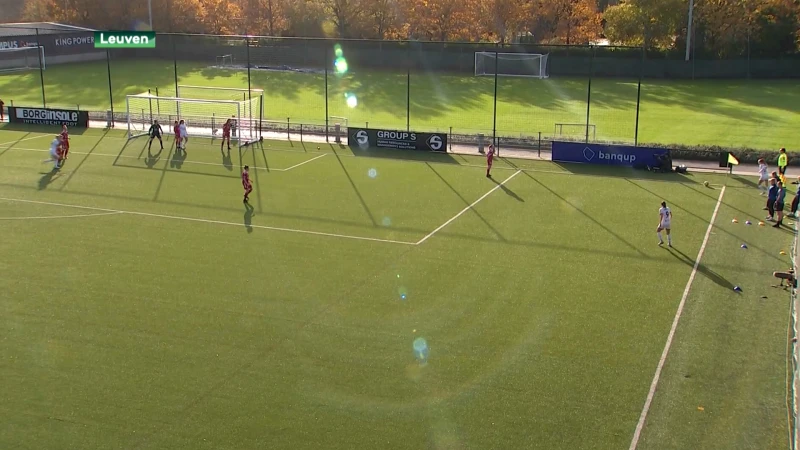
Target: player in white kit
664, 223
763, 176
56, 153
184, 134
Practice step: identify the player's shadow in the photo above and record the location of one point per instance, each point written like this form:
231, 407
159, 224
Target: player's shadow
227, 161
744, 180
178, 157
508, 191
701, 268
47, 178
249, 212
152, 159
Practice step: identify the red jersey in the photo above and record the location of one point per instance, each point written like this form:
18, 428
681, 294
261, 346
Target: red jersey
245, 179
490, 154
226, 129
65, 137
177, 130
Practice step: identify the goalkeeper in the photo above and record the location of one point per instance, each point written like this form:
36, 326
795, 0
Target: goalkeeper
155, 132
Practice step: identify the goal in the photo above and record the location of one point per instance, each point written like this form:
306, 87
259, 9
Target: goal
224, 61
533, 65
573, 131
203, 117
22, 58
251, 102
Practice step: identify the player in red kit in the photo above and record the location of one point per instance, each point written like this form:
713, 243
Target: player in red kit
489, 160
176, 128
2, 104
248, 187
64, 141
226, 134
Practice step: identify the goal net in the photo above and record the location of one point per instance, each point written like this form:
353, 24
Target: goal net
251, 102
224, 61
575, 131
533, 65
203, 118
22, 58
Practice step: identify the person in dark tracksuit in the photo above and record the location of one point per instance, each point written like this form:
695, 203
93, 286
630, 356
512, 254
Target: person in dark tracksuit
772, 195
795, 204
779, 204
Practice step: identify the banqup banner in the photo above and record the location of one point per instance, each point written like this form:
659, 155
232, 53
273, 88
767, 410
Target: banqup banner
610, 155
400, 140
47, 116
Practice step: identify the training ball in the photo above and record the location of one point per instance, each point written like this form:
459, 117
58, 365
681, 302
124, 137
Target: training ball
734, 221
744, 245
761, 224
705, 183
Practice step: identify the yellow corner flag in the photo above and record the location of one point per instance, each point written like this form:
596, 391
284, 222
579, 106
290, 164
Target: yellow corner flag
732, 159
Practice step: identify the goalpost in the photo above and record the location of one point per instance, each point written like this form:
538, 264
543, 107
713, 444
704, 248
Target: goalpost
22, 58
248, 126
532, 65
575, 131
203, 117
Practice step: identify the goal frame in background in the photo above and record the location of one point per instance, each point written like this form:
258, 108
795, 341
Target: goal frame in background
585, 130
38, 56
199, 125
250, 119
540, 57
221, 60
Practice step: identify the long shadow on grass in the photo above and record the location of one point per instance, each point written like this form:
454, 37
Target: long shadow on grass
701, 268
595, 221
85, 158
704, 219
400, 155
621, 172
467, 203
355, 189
48, 178
508, 191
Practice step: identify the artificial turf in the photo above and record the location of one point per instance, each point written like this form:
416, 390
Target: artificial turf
735, 113
169, 316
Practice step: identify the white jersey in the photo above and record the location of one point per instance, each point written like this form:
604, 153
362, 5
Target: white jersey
54, 147
182, 127
762, 171
666, 217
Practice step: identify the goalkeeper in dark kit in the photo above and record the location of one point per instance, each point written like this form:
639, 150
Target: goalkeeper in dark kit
155, 132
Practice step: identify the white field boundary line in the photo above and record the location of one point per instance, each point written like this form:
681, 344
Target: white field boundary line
110, 155
12, 143
208, 221
649, 401
72, 216
469, 207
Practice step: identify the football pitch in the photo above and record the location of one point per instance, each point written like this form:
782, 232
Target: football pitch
369, 301
761, 114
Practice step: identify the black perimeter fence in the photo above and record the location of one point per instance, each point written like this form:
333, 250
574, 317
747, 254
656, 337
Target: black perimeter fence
590, 93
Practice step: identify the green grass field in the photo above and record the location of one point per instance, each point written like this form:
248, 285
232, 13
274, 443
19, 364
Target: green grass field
144, 307
756, 114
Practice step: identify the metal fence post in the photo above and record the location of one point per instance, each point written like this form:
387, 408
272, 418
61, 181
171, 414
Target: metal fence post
41, 68
494, 111
638, 100
589, 91
408, 86
110, 91
326, 96
249, 93
175, 72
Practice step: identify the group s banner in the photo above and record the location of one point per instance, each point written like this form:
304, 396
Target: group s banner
399, 140
47, 116
609, 155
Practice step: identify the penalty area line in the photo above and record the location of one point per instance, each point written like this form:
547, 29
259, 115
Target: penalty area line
470, 206
71, 216
12, 143
208, 221
660, 367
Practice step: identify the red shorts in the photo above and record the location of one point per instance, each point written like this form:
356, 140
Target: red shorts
247, 187
489, 162
226, 135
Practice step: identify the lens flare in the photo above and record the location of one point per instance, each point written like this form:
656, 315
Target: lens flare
372, 173
421, 349
340, 65
402, 292
387, 222
352, 101
337, 50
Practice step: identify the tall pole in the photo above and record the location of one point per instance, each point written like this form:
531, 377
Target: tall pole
110, 92
689, 30
638, 100
326, 97
494, 115
41, 68
589, 92
175, 72
150, 12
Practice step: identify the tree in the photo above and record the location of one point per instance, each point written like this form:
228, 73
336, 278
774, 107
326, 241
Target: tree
442, 20
217, 15
381, 18
503, 18
264, 17
652, 23
304, 18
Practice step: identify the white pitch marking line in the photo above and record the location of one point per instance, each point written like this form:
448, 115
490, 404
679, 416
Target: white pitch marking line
73, 216
110, 155
304, 162
468, 208
646, 409
26, 139
217, 222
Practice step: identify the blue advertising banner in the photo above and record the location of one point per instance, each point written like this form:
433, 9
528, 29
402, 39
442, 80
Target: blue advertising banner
610, 155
